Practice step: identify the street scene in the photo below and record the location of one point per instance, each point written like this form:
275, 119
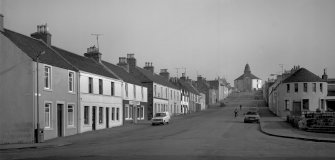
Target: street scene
167, 79
211, 134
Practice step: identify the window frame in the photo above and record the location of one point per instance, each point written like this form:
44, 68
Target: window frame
86, 116
117, 113
126, 89
134, 90
68, 115
112, 88
49, 115
296, 87
305, 85
90, 85
321, 87
314, 87
101, 86
288, 88
101, 115
71, 84
49, 77
113, 114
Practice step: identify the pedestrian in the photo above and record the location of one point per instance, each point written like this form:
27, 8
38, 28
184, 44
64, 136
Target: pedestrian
240, 107
235, 112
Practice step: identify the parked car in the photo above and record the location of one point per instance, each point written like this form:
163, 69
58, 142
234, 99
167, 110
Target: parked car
161, 118
251, 116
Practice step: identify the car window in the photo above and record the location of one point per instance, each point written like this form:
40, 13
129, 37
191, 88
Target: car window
251, 113
160, 114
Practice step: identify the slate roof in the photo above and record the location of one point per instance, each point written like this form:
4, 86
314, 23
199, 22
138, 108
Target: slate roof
188, 87
32, 47
247, 75
84, 63
123, 74
152, 77
303, 75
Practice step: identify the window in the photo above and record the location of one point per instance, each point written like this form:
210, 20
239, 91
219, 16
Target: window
155, 91
113, 113
90, 85
100, 115
138, 112
134, 91
314, 87
322, 104
100, 86
288, 88
142, 112
166, 93
296, 87
117, 113
70, 115
112, 88
161, 93
86, 114
126, 88
47, 77
71, 81
142, 92
171, 94
305, 87
47, 115
321, 87
126, 111
305, 104
130, 112
287, 104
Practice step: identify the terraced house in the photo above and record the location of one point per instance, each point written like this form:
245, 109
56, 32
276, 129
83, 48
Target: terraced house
158, 87
100, 91
38, 87
134, 93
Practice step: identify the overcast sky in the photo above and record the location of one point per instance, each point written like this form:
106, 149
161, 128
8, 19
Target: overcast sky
208, 37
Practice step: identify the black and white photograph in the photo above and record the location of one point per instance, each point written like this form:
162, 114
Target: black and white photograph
167, 79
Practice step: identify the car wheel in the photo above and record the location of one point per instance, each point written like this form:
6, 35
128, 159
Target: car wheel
245, 121
152, 124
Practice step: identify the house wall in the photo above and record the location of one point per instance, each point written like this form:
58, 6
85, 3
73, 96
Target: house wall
58, 94
105, 100
203, 101
140, 99
174, 101
256, 84
16, 94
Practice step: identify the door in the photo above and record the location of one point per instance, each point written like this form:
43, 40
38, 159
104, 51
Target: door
296, 110
60, 120
94, 109
107, 117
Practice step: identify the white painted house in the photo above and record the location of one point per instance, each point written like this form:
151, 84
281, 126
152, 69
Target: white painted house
100, 92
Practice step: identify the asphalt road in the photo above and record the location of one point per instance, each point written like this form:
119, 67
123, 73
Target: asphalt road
211, 134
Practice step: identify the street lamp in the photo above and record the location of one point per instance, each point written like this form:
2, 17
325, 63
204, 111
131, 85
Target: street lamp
38, 129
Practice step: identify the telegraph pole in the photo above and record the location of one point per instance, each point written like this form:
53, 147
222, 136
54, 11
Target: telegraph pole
97, 35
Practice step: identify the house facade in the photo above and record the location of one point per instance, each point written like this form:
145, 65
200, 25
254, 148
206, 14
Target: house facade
135, 95
45, 102
300, 91
100, 91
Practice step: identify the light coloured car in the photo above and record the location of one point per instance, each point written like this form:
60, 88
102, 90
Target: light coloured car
251, 116
161, 118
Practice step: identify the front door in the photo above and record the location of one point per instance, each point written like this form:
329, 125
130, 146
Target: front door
60, 120
94, 109
296, 108
107, 117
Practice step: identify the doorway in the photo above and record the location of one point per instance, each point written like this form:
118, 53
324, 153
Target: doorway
296, 110
60, 120
107, 117
94, 109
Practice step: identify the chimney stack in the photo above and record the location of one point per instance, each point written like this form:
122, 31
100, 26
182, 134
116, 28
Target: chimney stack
131, 60
325, 76
183, 77
123, 63
148, 66
199, 78
93, 52
1, 23
165, 73
43, 34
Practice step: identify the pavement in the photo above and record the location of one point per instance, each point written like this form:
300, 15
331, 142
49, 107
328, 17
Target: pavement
278, 127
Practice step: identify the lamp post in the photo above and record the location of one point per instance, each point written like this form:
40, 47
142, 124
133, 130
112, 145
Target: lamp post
38, 129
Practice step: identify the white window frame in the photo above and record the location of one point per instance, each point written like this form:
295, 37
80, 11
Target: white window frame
68, 115
88, 115
49, 77
73, 81
49, 117
126, 89
126, 110
134, 91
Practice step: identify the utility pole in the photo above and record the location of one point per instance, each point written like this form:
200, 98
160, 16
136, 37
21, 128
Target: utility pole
97, 35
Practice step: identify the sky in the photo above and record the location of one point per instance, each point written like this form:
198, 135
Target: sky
210, 38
